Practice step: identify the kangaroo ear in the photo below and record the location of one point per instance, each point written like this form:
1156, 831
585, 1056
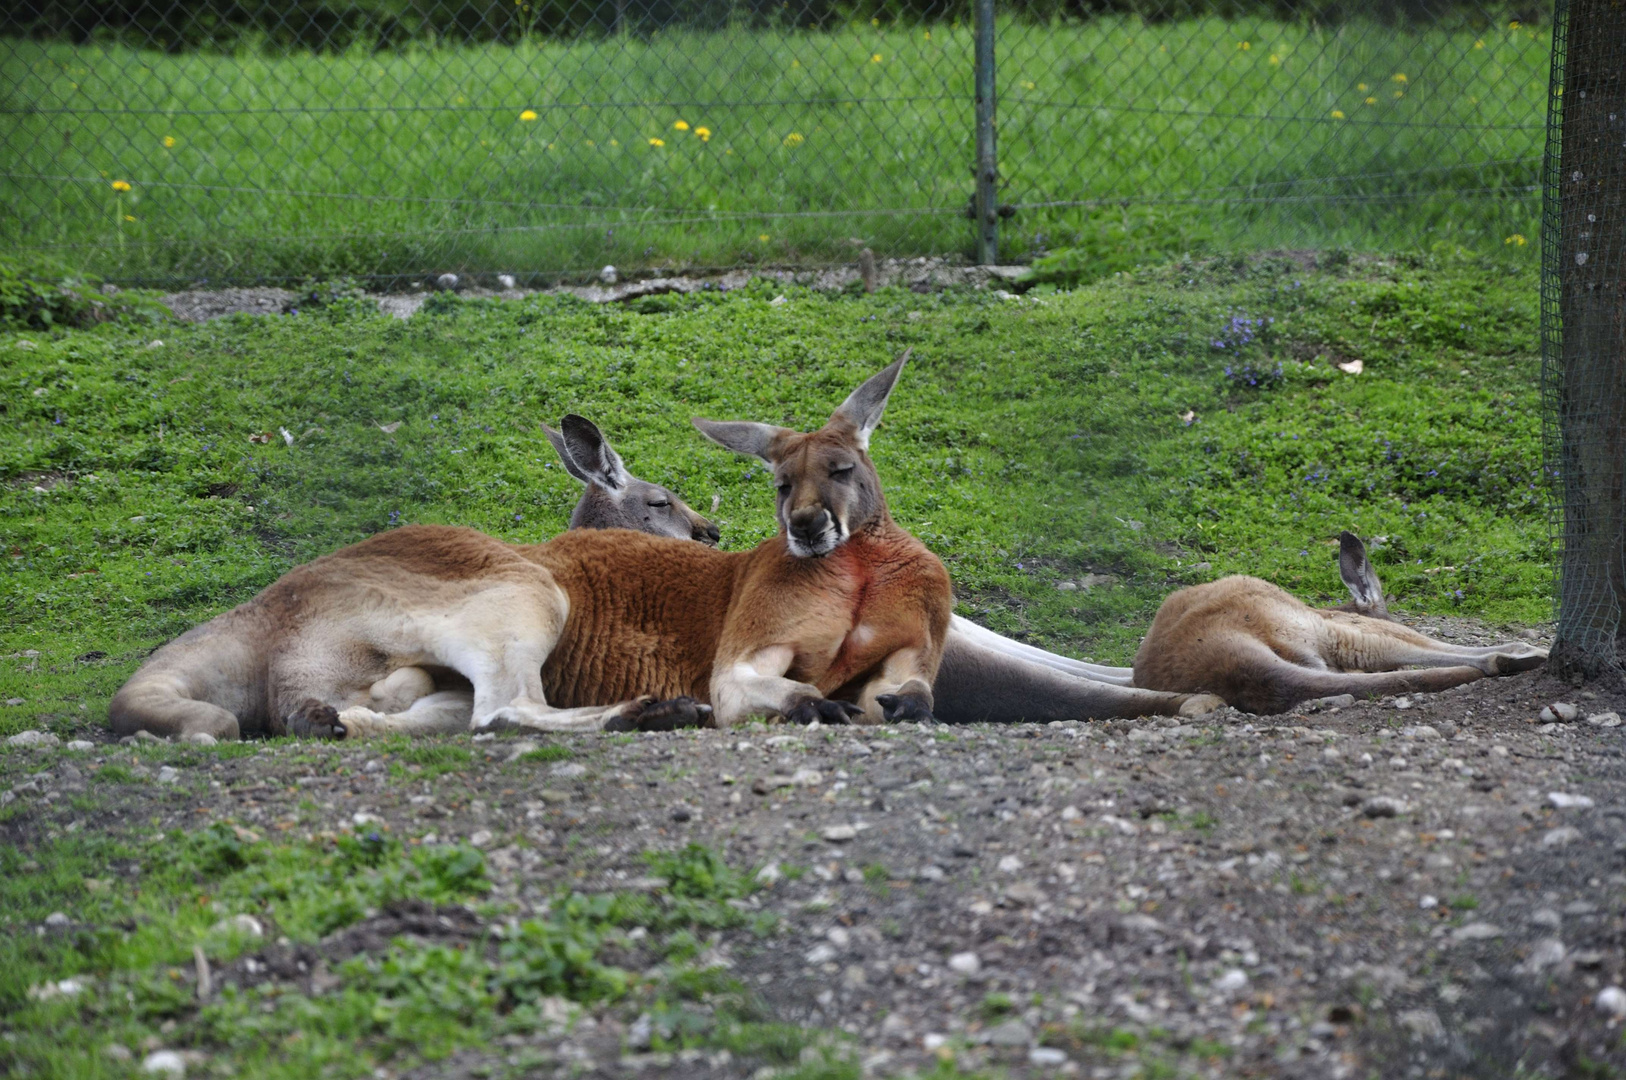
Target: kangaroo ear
595, 462
742, 436
864, 406
1359, 576
557, 438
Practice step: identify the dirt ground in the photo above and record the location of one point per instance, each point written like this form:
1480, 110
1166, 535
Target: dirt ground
1422, 887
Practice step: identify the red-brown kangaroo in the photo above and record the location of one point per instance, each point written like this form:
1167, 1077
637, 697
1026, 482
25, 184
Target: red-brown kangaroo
1264, 651
842, 615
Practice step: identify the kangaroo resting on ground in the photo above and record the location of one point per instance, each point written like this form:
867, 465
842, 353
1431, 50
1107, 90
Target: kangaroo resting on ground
1264, 651
843, 614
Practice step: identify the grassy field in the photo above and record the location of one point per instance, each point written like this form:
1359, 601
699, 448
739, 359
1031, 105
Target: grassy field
688, 149
1160, 428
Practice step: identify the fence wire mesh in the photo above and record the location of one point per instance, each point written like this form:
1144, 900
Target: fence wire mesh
1583, 311
393, 139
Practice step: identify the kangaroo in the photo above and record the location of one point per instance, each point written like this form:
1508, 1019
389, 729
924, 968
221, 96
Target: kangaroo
1264, 651
614, 498
841, 616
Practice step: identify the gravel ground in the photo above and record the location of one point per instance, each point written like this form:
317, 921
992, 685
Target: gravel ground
921, 275
1423, 887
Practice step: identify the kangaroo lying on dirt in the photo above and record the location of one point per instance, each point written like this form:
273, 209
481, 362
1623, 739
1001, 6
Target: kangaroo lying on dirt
843, 614
1264, 651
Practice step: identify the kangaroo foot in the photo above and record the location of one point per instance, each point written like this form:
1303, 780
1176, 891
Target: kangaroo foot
824, 710
900, 707
1508, 664
314, 720
669, 715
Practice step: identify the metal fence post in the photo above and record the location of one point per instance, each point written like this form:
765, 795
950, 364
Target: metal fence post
986, 204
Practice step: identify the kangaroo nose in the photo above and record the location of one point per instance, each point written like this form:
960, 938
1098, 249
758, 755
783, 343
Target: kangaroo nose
809, 522
707, 534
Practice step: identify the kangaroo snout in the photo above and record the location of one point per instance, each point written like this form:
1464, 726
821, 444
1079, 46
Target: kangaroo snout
705, 532
809, 527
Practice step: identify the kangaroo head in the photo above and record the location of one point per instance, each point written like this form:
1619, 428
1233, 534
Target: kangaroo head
1361, 579
828, 488
615, 499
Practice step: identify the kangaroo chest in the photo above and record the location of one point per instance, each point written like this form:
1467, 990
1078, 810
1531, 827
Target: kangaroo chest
862, 613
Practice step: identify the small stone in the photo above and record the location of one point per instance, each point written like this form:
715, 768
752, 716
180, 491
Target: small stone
1477, 931
56, 920
1547, 917
839, 834
1232, 981
374, 766
81, 744
481, 839
1423, 1023
169, 774
931, 1042
1559, 712
1604, 719
1546, 953
608, 275
1561, 801
1047, 1055
642, 1032
15, 701
246, 925
166, 1062
118, 1052
930, 872
1382, 806
1402, 703
1010, 864
1611, 1001
507, 281
362, 818
807, 778
199, 738
769, 874
1563, 836
446, 283
1066, 586
1428, 903
820, 954
1331, 754
568, 770
1012, 1032
1421, 731
34, 739
965, 963
681, 814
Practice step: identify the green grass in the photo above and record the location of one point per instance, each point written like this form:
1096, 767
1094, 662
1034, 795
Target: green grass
131, 946
1029, 442
1177, 137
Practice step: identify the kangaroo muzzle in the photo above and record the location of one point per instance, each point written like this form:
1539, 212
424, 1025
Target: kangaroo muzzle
812, 531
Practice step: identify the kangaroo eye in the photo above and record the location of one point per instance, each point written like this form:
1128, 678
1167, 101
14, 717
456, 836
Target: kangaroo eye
843, 472
784, 489
660, 503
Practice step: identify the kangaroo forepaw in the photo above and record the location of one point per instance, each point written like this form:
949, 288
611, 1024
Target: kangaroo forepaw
1200, 705
669, 715
313, 719
896, 708
824, 710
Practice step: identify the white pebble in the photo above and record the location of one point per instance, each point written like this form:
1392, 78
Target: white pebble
1233, 980
506, 281
1010, 864
1562, 801
1604, 719
33, 739
81, 744
965, 963
1561, 837
1611, 1001
608, 275
1428, 903
1047, 1055
167, 1062
169, 774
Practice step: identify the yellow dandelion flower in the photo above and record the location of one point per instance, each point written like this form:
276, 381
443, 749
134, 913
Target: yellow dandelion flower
1275, 61
590, 142
1337, 114
680, 125
1162, 48
169, 142
1400, 93
875, 59
875, 22
795, 138
1479, 44
1514, 25
615, 142
657, 142
928, 35
1399, 76
763, 239
1361, 87
703, 134
1371, 101
121, 185
1244, 46
1517, 240
795, 63
1031, 85
528, 115
129, 217
729, 151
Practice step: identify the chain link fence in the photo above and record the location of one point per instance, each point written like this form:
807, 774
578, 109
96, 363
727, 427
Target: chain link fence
397, 139
1583, 315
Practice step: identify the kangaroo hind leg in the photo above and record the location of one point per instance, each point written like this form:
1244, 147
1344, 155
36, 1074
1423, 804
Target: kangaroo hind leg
1286, 685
